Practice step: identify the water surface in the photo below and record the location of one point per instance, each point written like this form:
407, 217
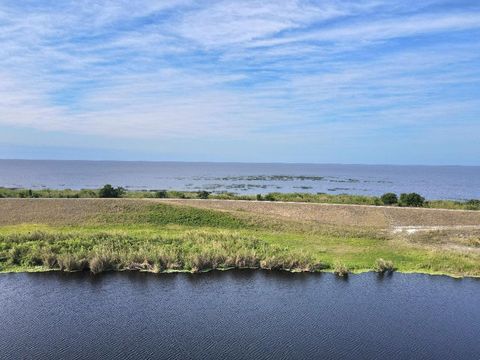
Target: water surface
238, 315
433, 182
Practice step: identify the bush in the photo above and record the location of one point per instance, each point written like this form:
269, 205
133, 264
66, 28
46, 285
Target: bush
411, 199
473, 204
99, 264
383, 266
269, 197
340, 269
161, 194
203, 194
389, 199
69, 262
108, 191
259, 197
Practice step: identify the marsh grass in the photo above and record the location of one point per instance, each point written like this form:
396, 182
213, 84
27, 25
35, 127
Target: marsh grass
340, 269
193, 251
382, 266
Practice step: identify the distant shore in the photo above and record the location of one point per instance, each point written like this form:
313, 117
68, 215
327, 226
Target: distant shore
321, 198
172, 235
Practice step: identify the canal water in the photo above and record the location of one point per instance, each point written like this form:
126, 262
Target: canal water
238, 315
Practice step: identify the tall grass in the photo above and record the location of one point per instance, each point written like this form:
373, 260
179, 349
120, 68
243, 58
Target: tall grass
193, 251
383, 266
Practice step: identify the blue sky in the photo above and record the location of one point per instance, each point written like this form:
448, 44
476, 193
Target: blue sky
256, 81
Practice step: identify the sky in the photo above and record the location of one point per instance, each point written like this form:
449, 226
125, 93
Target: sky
365, 81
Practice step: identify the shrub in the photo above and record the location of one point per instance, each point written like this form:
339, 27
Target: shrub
269, 197
177, 194
259, 197
389, 199
383, 266
49, 260
108, 191
473, 204
99, 264
340, 269
411, 199
161, 194
70, 263
203, 194
15, 255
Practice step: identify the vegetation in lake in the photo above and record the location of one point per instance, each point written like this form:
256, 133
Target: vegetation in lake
128, 234
391, 199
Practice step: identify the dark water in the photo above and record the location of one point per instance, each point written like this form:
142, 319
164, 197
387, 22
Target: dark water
433, 182
238, 315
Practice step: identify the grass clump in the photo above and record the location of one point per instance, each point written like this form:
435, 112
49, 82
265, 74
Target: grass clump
382, 266
340, 269
100, 263
68, 262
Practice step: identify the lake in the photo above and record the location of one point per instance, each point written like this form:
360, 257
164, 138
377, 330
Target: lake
238, 314
433, 182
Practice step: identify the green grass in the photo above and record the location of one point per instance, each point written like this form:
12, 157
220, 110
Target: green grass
163, 238
289, 197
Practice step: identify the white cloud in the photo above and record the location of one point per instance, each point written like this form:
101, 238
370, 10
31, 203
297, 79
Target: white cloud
173, 69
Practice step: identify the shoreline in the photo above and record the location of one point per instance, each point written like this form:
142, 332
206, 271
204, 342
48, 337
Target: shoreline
162, 236
205, 271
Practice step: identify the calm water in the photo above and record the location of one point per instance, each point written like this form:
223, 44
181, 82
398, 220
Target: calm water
433, 182
249, 315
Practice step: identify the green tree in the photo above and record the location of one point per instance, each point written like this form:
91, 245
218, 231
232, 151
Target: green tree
270, 197
203, 194
389, 198
412, 199
108, 191
161, 194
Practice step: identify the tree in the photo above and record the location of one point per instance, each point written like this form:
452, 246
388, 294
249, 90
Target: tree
108, 191
412, 199
161, 194
389, 198
270, 197
203, 194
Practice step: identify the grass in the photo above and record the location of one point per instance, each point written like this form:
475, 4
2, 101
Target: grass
154, 237
275, 196
383, 266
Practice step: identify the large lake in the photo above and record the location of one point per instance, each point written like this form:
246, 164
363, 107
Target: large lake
433, 182
238, 315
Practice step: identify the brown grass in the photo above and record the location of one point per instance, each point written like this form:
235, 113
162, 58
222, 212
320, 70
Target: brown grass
78, 211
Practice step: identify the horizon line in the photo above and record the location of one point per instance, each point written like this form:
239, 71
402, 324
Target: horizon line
237, 162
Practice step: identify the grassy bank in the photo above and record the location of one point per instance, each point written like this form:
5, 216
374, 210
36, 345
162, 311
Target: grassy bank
105, 235
320, 198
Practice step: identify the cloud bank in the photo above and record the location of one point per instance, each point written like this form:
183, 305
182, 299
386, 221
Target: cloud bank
285, 72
